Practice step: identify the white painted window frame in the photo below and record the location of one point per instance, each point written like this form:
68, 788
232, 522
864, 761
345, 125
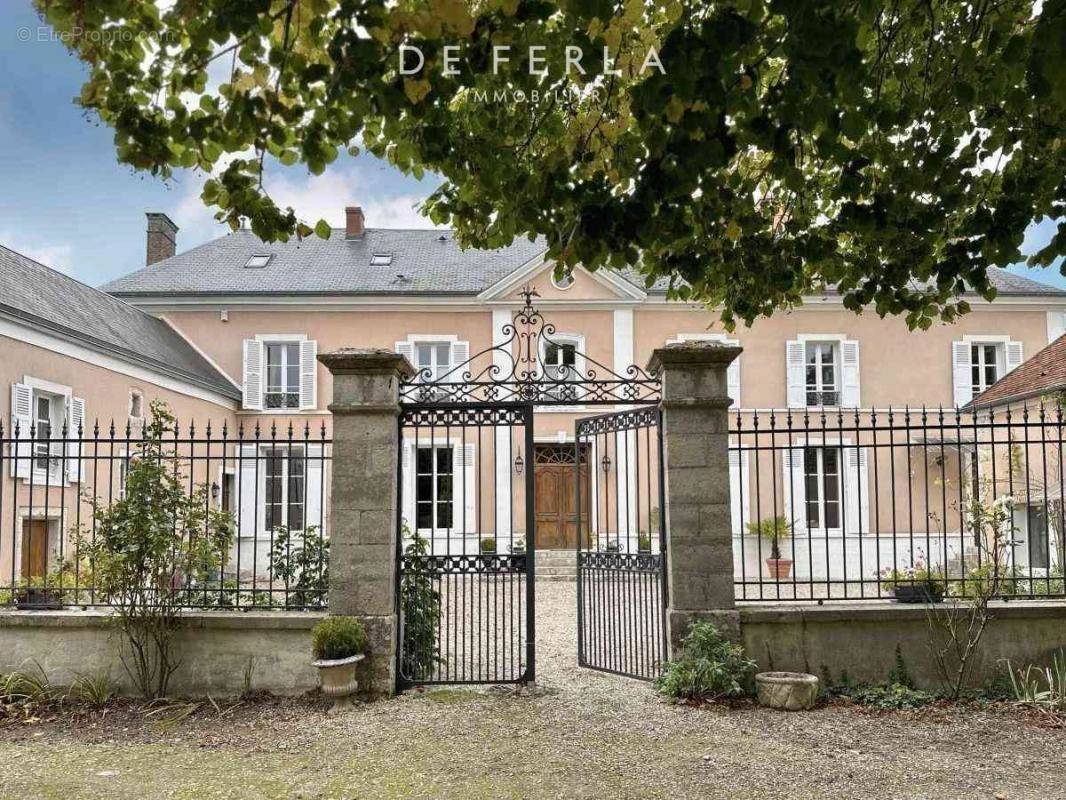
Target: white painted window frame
564, 338
38, 386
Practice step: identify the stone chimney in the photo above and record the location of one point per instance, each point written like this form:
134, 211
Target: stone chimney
355, 223
162, 237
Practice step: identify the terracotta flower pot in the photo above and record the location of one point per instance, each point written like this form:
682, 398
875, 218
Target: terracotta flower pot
780, 568
337, 678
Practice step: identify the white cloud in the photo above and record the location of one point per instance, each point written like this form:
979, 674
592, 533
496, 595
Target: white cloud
313, 197
57, 255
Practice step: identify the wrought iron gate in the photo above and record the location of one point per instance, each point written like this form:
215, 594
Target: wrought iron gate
467, 523
621, 567
465, 569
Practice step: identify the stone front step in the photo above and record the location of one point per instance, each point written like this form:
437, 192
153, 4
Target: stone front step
556, 565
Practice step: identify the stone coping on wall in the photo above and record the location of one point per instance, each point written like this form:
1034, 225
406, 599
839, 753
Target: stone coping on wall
769, 612
89, 618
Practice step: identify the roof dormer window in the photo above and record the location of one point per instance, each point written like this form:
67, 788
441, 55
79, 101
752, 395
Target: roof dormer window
380, 259
257, 261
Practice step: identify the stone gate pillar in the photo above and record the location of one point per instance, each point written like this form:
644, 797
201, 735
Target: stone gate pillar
699, 545
364, 499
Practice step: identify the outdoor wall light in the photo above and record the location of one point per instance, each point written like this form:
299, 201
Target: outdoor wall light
606, 464
215, 489
519, 464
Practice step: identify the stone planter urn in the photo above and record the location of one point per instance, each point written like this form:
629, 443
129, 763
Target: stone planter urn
786, 691
337, 678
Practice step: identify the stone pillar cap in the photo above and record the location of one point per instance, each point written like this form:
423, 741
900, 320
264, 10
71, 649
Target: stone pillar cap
693, 354
349, 360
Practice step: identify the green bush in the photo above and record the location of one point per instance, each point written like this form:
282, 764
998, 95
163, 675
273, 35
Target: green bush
338, 637
892, 697
420, 610
488, 545
710, 668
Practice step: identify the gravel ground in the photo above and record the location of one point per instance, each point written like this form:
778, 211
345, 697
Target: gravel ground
579, 735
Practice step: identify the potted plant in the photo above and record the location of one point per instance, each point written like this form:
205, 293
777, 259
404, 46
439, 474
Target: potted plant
338, 645
643, 542
774, 530
613, 547
488, 545
518, 547
914, 584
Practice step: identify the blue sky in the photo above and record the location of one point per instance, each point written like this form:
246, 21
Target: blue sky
67, 202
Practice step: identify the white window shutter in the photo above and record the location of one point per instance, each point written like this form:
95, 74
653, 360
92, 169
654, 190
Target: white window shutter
407, 350
1015, 355
795, 489
407, 484
733, 380
796, 376
962, 378
249, 490
21, 423
254, 370
468, 490
856, 490
849, 384
308, 374
1056, 325
739, 491
75, 433
314, 490
460, 355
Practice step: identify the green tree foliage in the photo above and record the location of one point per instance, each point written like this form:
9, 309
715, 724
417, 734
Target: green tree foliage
150, 549
783, 146
338, 637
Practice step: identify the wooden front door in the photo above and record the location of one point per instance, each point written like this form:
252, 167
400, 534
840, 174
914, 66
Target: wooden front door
555, 489
34, 548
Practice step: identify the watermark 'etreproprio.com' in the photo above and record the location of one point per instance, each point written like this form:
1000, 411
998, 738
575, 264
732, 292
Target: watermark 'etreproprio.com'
46, 33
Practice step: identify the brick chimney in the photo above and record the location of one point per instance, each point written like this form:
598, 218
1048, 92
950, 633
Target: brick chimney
355, 223
162, 237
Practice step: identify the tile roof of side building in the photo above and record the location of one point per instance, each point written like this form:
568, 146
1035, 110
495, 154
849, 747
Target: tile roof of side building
422, 262
1041, 375
42, 298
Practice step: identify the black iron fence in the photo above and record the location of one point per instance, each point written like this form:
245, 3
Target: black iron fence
912, 504
260, 540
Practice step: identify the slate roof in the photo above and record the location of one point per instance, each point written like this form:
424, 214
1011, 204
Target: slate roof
429, 261
49, 300
1042, 374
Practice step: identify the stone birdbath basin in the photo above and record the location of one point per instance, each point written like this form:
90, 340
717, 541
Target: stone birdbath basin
786, 691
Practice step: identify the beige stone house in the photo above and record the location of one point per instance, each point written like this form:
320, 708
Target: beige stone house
248, 319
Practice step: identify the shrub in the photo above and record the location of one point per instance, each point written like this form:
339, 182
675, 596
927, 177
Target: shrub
149, 548
892, 697
488, 545
420, 606
710, 668
1043, 688
300, 561
338, 637
898, 675
644, 543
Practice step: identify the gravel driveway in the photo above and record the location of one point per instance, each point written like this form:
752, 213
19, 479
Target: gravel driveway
581, 735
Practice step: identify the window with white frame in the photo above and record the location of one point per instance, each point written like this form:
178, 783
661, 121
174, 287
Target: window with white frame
433, 360
434, 487
821, 472
986, 365
561, 361
822, 373
283, 375
280, 372
42, 412
283, 491
979, 361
